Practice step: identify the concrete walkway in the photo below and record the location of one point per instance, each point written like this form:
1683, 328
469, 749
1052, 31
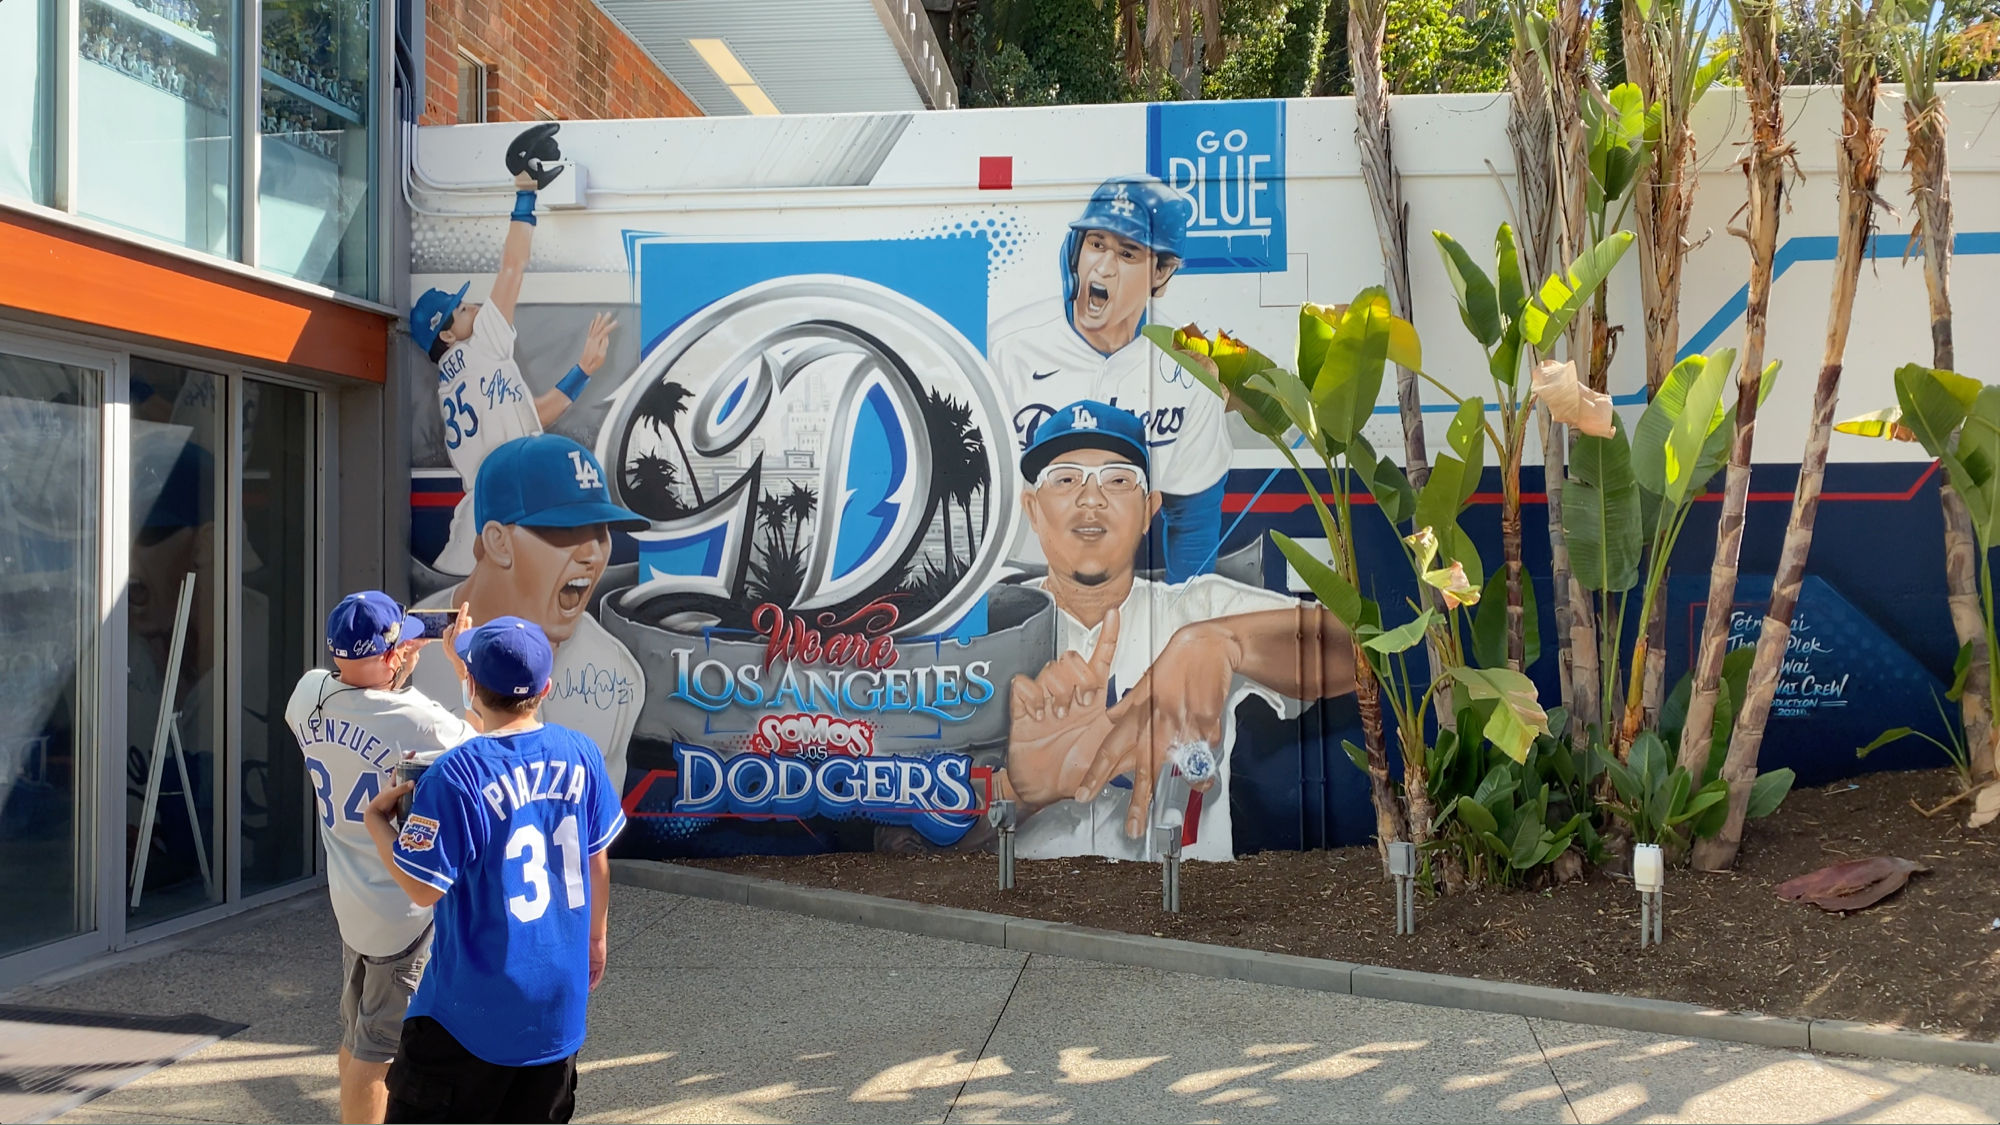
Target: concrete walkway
717, 1012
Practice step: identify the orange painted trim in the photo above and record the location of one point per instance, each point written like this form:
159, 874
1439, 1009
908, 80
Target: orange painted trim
105, 283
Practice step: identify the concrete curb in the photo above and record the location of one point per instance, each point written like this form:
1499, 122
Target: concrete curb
1631, 1013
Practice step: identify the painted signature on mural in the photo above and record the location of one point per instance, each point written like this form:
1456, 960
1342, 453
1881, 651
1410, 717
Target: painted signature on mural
500, 390
602, 688
1802, 689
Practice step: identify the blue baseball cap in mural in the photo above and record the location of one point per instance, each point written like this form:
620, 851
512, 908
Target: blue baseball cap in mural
369, 623
1088, 424
507, 656
432, 312
546, 481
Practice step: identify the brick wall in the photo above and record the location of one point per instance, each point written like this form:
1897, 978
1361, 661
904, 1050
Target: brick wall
565, 56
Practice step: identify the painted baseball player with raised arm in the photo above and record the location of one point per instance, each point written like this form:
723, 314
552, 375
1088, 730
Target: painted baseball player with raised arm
1119, 255
483, 401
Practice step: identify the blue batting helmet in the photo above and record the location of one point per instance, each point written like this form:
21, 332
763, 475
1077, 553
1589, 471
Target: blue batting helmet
1139, 207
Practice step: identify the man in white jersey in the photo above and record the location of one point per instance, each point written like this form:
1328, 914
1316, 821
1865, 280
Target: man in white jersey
1119, 255
1150, 674
483, 401
545, 520
353, 725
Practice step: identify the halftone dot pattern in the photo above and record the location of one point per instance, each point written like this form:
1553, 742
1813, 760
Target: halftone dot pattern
1001, 227
471, 245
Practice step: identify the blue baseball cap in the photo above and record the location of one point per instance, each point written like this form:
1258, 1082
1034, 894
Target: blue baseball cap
507, 656
1088, 424
369, 623
546, 481
432, 312
1142, 208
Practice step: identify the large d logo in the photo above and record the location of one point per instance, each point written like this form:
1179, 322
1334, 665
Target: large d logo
821, 443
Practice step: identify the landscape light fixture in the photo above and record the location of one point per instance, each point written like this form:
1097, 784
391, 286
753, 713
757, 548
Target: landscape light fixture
1403, 870
734, 75
1169, 818
1000, 814
1167, 835
1649, 878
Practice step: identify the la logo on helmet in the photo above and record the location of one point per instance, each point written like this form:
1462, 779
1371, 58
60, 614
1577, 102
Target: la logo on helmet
1083, 419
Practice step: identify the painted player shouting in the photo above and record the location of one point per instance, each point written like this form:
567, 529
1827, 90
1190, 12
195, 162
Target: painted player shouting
1119, 255
482, 398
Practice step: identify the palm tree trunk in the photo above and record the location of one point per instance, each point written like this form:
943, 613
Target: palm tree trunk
1930, 188
1763, 85
1656, 59
1366, 23
1390, 824
1417, 790
1510, 546
1858, 167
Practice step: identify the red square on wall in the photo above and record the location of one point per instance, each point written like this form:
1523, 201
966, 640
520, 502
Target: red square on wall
996, 173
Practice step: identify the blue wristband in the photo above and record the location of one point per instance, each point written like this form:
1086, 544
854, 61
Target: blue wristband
524, 207
572, 383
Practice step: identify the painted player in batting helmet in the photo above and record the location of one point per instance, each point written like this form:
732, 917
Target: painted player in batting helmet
1120, 253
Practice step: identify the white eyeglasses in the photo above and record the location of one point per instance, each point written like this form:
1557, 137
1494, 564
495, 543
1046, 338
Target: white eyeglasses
1066, 477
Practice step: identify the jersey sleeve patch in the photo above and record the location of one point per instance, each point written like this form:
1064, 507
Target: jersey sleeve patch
419, 834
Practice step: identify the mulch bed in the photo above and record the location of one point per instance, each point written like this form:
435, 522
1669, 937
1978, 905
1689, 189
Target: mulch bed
1926, 959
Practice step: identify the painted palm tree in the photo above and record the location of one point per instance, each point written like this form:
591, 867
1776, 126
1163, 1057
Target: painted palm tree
968, 475
662, 409
799, 504
651, 484
772, 514
944, 440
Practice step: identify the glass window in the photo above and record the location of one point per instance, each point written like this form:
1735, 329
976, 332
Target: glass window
315, 220
48, 625
156, 105
471, 90
277, 561
27, 73
174, 609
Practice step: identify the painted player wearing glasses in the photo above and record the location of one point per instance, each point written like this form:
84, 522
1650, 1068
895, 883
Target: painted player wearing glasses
1107, 709
1118, 256
482, 399
507, 835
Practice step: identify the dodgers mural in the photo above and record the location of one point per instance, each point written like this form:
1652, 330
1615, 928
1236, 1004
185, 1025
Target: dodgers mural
853, 502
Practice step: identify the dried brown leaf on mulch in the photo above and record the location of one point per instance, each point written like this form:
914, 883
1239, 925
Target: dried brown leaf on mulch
1926, 959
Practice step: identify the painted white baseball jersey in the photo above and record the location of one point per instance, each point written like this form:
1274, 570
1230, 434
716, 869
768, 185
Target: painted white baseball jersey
1043, 366
599, 686
1149, 617
484, 404
352, 739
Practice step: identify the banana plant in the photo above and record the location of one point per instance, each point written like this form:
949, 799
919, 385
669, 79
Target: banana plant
1342, 353
1625, 504
1510, 325
1665, 804
1957, 421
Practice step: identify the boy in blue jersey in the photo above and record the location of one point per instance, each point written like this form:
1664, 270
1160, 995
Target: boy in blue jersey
507, 835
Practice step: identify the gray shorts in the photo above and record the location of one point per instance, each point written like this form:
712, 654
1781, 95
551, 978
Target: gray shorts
373, 994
